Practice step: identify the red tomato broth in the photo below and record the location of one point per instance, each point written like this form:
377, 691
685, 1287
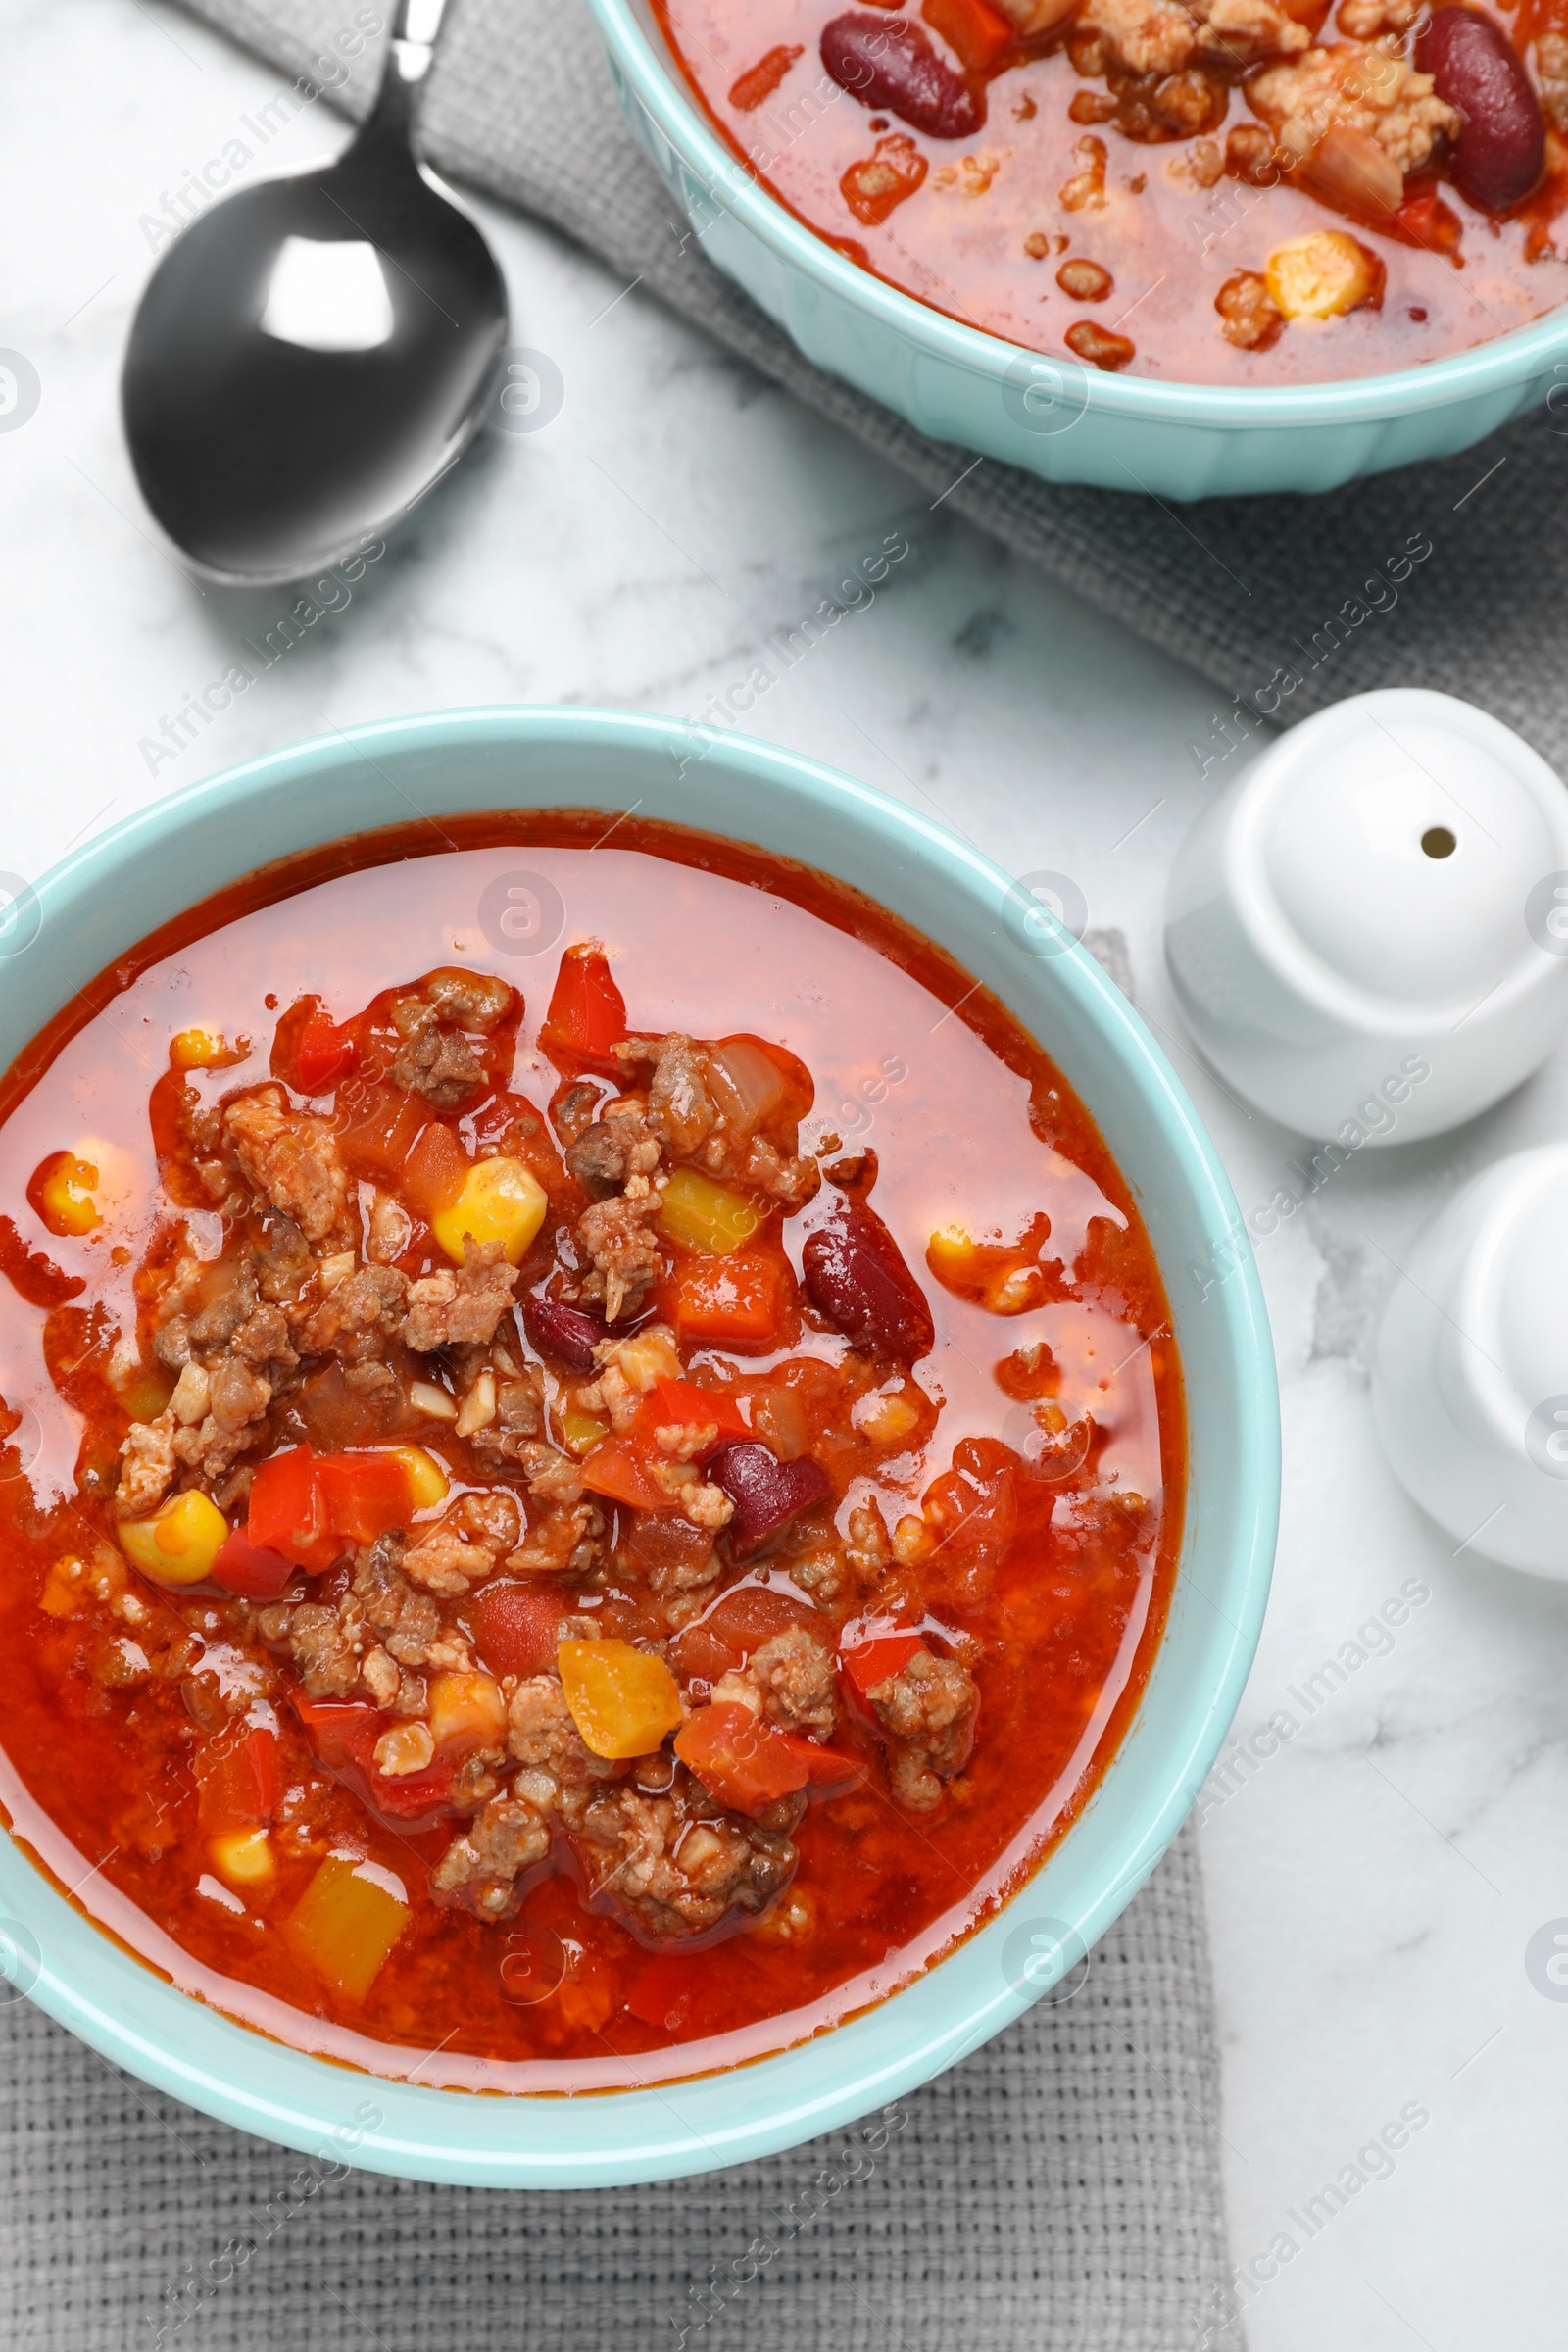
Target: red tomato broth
1169, 237
1059, 1646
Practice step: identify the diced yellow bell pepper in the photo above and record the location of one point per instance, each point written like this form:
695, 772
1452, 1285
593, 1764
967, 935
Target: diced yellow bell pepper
467, 1710
427, 1480
622, 1702
582, 1431
243, 1857
346, 1922
179, 1542
64, 1198
701, 1215
146, 1392
501, 1200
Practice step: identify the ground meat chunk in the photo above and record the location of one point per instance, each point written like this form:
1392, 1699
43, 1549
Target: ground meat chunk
676, 1874
326, 1650
541, 1733
929, 1707
263, 1341
574, 1110
617, 1236
1165, 37
438, 1064
462, 1549
229, 1309
1354, 87
292, 1158
1249, 315
408, 1622
600, 1159
356, 1318
150, 1463
681, 1111
1551, 77
794, 1672
473, 999
479, 1869
1364, 19
463, 1308
563, 1541
283, 1260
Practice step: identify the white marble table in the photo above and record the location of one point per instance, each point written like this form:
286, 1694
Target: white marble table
1374, 1877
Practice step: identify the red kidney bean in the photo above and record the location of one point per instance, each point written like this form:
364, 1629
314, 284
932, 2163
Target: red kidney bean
1502, 147
568, 1332
766, 1491
891, 66
856, 1277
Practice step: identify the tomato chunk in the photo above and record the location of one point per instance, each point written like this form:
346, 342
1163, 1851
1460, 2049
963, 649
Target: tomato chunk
619, 1472
286, 1513
748, 1763
323, 1054
587, 1012
236, 1778
516, 1626
310, 1509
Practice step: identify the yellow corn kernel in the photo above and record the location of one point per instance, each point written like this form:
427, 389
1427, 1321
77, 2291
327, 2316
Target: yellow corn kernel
582, 1431
622, 1700
64, 1198
427, 1480
701, 1215
242, 1857
179, 1542
205, 1050
346, 1922
1323, 274
501, 1200
950, 1254
467, 1710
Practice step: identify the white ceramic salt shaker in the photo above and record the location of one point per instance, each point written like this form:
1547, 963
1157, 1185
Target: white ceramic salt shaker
1470, 1378
1369, 928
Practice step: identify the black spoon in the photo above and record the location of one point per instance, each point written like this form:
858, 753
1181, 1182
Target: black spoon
316, 351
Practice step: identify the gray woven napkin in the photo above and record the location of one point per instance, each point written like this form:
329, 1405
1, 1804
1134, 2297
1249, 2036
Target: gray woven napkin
1289, 599
1056, 2192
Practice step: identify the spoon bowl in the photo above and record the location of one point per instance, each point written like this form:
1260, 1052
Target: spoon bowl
314, 353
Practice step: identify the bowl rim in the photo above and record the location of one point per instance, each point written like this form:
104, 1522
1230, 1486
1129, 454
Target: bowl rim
125, 2008
1495, 365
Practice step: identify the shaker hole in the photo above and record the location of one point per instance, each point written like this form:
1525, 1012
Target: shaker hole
1438, 842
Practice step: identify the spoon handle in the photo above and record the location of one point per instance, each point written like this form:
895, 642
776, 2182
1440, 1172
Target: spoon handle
390, 123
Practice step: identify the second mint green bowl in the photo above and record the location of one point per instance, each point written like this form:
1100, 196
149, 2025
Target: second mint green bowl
1052, 415
142, 872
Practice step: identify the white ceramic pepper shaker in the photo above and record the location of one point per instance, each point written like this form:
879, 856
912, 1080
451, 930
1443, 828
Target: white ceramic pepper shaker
1470, 1378
1374, 913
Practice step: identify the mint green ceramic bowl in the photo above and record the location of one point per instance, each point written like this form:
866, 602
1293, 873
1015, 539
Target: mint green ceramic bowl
1052, 416
105, 897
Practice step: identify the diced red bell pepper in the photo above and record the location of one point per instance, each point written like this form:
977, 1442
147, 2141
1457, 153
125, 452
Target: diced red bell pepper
323, 1054
286, 1512
236, 1778
587, 1012
975, 32
310, 1507
381, 1133
248, 1569
363, 1495
748, 1763
619, 1472
868, 1663
682, 1404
